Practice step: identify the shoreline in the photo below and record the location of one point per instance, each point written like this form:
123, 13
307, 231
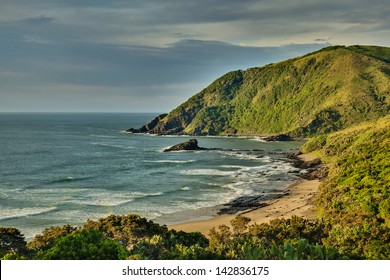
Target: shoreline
297, 200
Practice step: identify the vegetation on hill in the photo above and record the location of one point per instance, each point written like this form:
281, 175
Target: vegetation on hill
355, 197
321, 92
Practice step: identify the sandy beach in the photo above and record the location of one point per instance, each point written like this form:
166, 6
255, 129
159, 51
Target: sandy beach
297, 201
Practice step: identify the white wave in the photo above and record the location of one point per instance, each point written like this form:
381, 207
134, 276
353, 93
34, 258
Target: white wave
239, 189
210, 199
266, 159
185, 188
112, 145
233, 166
9, 213
55, 192
281, 168
257, 169
212, 172
173, 135
229, 136
163, 149
104, 201
257, 139
103, 136
84, 196
111, 199
180, 151
169, 161
243, 155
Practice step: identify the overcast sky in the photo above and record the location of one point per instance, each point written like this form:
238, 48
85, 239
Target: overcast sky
151, 55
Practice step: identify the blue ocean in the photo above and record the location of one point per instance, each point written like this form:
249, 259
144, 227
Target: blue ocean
65, 168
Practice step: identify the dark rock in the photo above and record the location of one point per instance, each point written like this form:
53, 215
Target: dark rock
248, 203
319, 173
148, 127
311, 164
279, 137
189, 145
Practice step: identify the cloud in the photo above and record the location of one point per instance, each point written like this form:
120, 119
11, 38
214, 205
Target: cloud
158, 22
37, 20
128, 49
117, 72
116, 65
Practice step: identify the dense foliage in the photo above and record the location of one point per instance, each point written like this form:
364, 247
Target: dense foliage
84, 245
281, 239
355, 198
325, 91
113, 237
12, 243
49, 235
294, 238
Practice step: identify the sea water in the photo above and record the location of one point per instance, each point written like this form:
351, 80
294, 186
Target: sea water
65, 168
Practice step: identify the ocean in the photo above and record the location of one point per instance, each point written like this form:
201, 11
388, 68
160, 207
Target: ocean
65, 168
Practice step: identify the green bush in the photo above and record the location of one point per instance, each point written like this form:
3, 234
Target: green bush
282, 239
84, 245
173, 245
127, 229
46, 239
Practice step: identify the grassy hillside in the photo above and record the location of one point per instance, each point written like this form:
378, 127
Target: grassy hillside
321, 92
356, 195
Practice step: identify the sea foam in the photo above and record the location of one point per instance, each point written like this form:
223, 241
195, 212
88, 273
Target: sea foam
11, 213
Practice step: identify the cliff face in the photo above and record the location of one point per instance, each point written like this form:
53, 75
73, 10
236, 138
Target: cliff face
321, 92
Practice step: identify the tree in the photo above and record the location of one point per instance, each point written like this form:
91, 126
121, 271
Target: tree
12, 241
84, 245
49, 235
128, 229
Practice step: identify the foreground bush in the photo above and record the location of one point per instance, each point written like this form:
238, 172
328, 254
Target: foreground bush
12, 243
84, 245
283, 239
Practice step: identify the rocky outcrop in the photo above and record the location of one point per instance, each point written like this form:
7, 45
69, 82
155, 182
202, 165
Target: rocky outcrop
319, 173
148, 127
279, 137
189, 145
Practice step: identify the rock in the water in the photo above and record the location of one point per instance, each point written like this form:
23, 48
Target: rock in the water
189, 145
280, 137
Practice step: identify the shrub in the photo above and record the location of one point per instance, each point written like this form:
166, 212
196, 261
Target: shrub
84, 245
12, 242
49, 235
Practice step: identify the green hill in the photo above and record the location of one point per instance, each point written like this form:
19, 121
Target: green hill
356, 195
321, 92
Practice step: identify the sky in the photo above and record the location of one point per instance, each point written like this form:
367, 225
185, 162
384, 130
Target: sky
152, 55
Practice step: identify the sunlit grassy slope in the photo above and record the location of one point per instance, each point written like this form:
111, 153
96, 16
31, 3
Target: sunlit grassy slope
356, 195
321, 92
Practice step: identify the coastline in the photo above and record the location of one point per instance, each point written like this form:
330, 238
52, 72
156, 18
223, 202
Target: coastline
297, 200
